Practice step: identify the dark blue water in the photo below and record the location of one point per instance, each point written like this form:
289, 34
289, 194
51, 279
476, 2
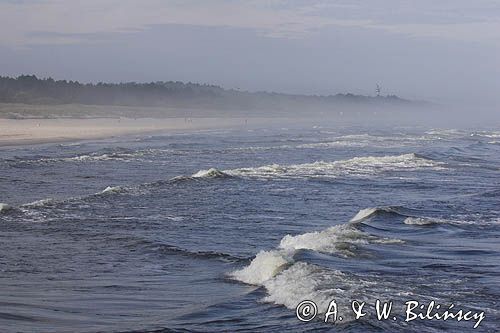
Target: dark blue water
230, 230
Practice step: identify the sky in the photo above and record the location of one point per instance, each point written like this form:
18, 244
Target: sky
446, 51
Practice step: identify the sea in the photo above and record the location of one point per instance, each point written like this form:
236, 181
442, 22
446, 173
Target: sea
230, 230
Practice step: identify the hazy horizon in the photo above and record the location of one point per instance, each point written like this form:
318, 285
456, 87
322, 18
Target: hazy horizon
445, 52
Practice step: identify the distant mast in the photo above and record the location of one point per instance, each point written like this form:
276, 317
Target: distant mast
377, 90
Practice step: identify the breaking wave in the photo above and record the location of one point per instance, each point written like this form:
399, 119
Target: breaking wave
265, 266
340, 240
111, 189
367, 140
486, 134
367, 213
357, 166
411, 218
50, 202
39, 203
288, 281
114, 154
210, 173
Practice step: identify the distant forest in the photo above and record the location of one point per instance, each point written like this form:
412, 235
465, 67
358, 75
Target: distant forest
29, 89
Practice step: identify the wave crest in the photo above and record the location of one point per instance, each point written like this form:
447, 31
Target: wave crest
39, 203
210, 173
357, 166
111, 189
328, 241
265, 265
339, 239
288, 282
367, 213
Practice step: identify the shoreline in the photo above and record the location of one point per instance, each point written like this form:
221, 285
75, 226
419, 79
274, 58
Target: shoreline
24, 132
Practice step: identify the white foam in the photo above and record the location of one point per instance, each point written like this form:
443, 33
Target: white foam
446, 132
117, 156
357, 166
301, 282
210, 173
105, 157
4, 207
39, 203
421, 221
111, 189
487, 134
288, 282
79, 158
327, 241
175, 218
263, 267
337, 239
331, 144
367, 140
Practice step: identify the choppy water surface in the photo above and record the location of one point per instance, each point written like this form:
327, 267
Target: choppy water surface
230, 230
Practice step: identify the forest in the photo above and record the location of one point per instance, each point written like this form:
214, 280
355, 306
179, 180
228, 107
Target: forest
29, 89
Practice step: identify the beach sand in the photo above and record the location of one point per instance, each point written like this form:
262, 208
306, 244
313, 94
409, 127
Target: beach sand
34, 131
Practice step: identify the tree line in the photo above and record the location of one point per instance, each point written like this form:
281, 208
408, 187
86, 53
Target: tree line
30, 89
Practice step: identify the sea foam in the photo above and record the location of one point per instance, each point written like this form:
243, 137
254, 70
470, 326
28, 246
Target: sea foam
4, 207
334, 240
357, 166
288, 282
210, 173
263, 267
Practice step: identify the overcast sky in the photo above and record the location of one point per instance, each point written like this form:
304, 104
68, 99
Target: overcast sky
440, 50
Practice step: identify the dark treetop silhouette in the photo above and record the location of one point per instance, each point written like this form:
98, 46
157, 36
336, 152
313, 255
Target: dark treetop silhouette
29, 89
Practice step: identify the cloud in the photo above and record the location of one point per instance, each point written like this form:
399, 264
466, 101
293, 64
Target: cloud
65, 21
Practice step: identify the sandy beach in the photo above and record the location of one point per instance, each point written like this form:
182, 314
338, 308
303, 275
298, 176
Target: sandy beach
34, 131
